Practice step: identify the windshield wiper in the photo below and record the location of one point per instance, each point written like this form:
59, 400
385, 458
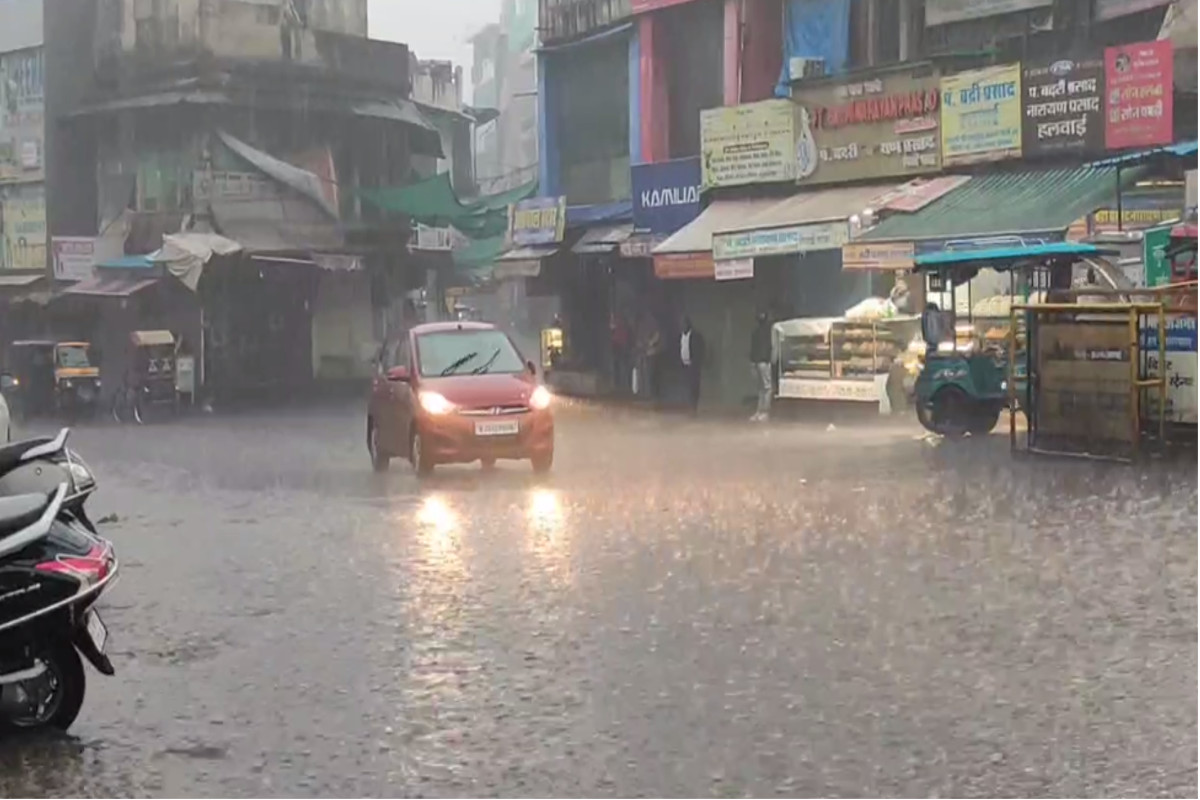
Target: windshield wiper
455, 365
482, 368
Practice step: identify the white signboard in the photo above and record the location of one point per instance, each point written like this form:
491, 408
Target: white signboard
780, 241
74, 257
818, 389
1180, 366
734, 269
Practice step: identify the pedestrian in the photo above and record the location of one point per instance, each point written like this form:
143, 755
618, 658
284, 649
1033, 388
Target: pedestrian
618, 332
652, 350
691, 357
760, 362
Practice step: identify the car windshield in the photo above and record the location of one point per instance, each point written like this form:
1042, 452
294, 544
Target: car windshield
466, 352
73, 357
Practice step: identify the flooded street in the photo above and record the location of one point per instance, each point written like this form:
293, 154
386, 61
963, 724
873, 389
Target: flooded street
680, 608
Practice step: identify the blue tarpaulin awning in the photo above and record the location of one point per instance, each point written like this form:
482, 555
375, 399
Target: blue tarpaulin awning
1177, 150
127, 262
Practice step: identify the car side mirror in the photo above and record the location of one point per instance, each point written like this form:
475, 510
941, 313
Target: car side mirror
398, 374
529, 365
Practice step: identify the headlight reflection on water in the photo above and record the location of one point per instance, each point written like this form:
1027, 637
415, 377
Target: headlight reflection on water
545, 510
438, 524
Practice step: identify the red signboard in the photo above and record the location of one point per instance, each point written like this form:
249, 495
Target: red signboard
1139, 79
642, 6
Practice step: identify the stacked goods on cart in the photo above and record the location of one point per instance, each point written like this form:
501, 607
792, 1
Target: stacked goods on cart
864, 349
803, 347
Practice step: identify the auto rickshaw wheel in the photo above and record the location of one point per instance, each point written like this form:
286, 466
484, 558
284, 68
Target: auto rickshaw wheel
984, 420
951, 412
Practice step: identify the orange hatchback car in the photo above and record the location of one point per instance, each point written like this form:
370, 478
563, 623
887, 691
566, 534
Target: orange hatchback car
456, 392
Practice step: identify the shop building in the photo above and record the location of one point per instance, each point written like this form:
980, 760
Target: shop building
256, 128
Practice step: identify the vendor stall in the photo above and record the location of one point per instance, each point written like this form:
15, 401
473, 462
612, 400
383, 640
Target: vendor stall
854, 358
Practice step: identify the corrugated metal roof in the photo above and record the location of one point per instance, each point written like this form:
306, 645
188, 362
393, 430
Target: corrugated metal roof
602, 240
110, 286
696, 236
20, 279
822, 205
1008, 203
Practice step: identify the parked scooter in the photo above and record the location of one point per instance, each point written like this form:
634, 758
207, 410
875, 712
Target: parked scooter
53, 568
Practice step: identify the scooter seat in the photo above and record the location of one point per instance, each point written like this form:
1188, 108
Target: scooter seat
10, 454
20, 511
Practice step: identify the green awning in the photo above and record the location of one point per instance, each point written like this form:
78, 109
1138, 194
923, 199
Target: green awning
1010, 203
479, 253
433, 202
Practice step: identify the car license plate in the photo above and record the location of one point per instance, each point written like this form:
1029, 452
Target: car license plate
505, 428
97, 631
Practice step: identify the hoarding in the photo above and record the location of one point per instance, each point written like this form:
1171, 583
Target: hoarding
1063, 107
751, 143
981, 115
1138, 106
538, 220
880, 127
666, 195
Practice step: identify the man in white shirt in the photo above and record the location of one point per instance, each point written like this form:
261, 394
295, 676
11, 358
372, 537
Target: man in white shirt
691, 356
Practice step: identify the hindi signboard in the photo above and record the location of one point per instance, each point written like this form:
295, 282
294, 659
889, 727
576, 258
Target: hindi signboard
883, 126
751, 143
981, 115
1139, 107
1063, 107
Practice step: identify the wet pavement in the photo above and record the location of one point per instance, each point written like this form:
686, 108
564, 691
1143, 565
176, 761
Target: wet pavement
681, 608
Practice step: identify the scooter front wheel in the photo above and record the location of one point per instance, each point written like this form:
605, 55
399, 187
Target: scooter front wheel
51, 699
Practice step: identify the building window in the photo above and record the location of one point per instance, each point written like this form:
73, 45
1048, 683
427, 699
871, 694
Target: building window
885, 32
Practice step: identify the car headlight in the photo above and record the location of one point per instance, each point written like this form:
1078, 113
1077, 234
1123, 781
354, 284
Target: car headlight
540, 399
435, 404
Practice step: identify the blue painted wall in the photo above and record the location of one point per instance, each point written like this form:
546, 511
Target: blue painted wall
549, 179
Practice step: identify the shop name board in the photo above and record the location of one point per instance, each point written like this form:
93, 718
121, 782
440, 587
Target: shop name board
680, 266
538, 220
881, 127
666, 195
981, 115
879, 255
1063, 107
885, 108
751, 143
1139, 107
1107, 220
780, 241
735, 269
1180, 366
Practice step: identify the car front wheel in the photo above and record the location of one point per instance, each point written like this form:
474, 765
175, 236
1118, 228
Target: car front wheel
379, 459
421, 460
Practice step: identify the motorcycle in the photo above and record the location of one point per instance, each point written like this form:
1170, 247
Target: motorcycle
53, 568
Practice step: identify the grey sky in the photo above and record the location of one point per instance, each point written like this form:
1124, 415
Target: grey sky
433, 28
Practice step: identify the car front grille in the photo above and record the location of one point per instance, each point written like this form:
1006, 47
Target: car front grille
493, 411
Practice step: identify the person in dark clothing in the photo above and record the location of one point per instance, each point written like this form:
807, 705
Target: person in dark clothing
691, 357
760, 362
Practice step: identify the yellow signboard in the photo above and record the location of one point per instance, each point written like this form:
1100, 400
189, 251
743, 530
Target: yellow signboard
751, 143
981, 115
23, 228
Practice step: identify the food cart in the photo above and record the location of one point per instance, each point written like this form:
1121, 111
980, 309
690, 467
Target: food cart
855, 358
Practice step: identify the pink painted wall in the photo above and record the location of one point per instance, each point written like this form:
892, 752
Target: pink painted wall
655, 118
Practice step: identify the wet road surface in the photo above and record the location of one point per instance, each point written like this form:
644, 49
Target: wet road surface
681, 608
